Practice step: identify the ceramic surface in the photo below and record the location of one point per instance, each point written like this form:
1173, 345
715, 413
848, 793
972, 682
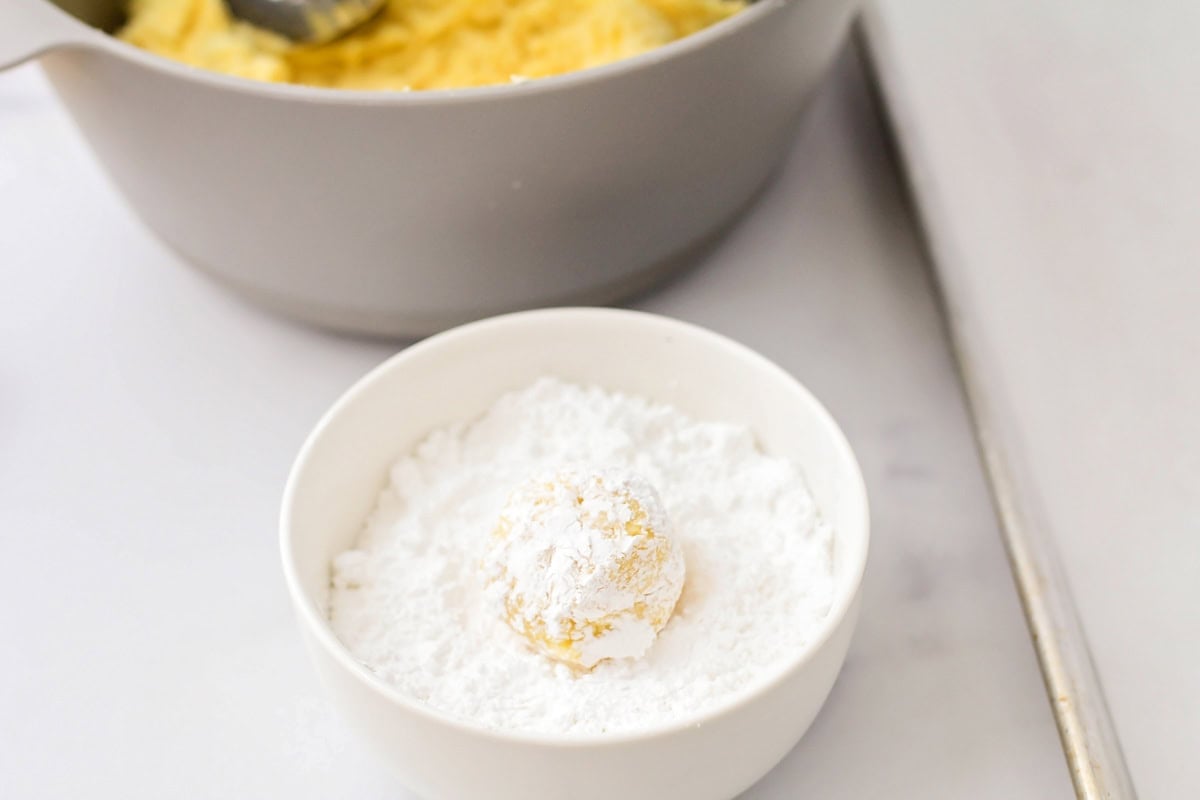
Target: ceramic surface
456, 376
402, 213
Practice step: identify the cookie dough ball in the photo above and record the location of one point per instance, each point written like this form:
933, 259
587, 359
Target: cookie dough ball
583, 564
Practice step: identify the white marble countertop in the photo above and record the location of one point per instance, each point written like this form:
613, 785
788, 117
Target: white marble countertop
1055, 150
148, 420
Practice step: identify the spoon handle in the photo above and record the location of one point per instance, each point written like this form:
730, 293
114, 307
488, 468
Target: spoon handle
306, 21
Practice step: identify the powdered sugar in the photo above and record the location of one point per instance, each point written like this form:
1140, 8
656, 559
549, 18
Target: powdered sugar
409, 601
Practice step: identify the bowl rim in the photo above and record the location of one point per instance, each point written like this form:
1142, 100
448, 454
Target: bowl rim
105, 41
318, 627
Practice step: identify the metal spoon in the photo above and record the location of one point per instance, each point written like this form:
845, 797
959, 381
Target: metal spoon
306, 21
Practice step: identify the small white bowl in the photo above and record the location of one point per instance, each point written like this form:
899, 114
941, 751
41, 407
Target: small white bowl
456, 376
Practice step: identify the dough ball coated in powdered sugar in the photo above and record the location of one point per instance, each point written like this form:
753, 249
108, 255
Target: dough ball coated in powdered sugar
583, 564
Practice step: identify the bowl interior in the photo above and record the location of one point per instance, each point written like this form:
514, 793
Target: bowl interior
457, 375
107, 15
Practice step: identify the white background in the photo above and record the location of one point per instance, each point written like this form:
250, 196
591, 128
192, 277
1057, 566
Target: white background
1057, 151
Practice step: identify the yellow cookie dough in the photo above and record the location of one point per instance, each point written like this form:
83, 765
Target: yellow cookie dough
425, 44
584, 566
